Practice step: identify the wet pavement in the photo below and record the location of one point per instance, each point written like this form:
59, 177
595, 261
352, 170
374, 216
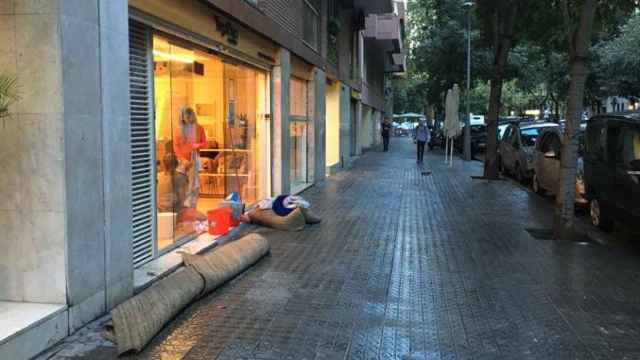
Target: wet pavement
408, 266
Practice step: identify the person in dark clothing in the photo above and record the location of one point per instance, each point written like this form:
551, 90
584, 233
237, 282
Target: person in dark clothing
386, 132
421, 136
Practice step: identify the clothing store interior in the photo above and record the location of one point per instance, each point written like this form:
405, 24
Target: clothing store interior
211, 134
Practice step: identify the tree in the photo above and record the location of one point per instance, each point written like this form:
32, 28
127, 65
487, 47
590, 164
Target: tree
478, 98
617, 65
498, 19
578, 20
409, 95
437, 47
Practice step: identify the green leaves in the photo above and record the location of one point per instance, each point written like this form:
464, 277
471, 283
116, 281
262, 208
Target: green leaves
8, 93
617, 61
437, 43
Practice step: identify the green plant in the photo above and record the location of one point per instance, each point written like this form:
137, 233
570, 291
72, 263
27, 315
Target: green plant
334, 26
8, 93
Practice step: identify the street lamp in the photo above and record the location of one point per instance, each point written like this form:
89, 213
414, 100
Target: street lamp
468, 5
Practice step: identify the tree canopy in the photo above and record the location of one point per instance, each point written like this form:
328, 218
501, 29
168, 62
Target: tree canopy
536, 74
617, 61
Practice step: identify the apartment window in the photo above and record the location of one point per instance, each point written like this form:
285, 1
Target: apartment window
253, 2
311, 22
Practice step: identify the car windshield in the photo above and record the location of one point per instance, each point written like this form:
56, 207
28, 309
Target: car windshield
529, 136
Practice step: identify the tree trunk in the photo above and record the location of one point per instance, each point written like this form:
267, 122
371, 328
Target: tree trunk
491, 159
503, 47
578, 71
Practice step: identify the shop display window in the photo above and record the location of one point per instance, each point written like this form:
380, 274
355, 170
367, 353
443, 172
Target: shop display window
211, 136
298, 131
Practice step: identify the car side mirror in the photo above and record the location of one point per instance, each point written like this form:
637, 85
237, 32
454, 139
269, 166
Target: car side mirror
550, 155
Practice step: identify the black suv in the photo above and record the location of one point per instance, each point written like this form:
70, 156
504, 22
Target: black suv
612, 168
478, 139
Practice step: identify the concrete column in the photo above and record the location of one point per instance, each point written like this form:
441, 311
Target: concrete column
324, 12
388, 97
82, 104
114, 72
317, 148
96, 133
360, 130
280, 77
345, 125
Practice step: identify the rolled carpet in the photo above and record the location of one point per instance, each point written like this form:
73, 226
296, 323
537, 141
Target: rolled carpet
310, 217
136, 321
221, 265
295, 221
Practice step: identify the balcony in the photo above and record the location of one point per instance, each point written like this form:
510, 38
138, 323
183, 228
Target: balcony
386, 31
398, 63
385, 28
373, 6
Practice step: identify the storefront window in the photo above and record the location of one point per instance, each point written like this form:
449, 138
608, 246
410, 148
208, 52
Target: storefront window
211, 136
298, 131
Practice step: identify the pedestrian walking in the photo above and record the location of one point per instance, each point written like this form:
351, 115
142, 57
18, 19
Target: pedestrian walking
386, 132
421, 136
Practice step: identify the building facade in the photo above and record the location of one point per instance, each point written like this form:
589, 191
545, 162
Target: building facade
135, 117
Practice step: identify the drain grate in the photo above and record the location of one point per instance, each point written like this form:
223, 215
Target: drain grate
540, 234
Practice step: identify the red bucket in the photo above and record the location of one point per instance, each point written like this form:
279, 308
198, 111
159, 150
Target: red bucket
219, 221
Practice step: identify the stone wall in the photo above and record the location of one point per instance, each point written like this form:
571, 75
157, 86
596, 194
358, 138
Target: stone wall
32, 186
66, 209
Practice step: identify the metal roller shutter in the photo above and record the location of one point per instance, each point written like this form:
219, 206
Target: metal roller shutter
142, 143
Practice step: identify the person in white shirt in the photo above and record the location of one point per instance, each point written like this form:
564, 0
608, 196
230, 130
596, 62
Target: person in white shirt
421, 136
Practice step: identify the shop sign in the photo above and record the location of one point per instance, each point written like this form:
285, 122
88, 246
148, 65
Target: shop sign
227, 30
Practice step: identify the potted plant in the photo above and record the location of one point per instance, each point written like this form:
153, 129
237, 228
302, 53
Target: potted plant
8, 93
333, 27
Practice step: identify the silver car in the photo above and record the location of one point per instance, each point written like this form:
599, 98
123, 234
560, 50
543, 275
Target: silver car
517, 147
546, 177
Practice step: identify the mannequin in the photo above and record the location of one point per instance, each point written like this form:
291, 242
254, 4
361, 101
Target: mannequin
188, 139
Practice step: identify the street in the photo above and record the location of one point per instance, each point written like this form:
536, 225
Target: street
407, 266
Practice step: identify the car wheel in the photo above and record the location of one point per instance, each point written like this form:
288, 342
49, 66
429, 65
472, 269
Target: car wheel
501, 167
598, 217
535, 184
518, 173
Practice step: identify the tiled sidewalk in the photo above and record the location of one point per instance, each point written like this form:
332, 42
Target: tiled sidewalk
407, 266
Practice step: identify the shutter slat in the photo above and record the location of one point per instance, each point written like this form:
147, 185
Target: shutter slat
142, 170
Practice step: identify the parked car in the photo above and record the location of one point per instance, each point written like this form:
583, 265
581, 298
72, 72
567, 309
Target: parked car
546, 168
516, 149
437, 138
476, 120
478, 139
612, 168
583, 124
501, 130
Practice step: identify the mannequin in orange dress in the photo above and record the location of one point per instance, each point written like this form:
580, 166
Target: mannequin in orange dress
188, 138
